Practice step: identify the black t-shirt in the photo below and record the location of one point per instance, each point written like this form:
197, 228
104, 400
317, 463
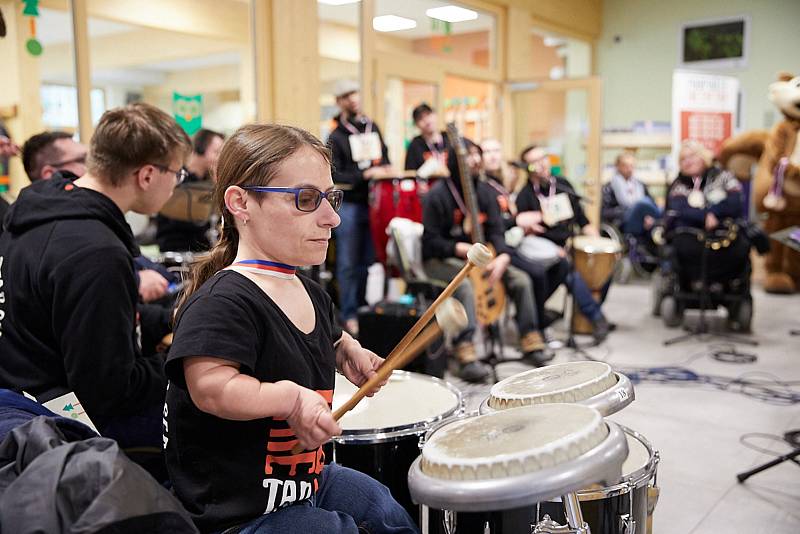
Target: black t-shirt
229, 472
419, 151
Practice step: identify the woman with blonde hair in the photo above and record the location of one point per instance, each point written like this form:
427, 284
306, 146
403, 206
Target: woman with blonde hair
256, 346
704, 198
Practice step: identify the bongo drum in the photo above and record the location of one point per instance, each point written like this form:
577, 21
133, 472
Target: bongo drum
491, 470
381, 435
595, 259
626, 506
592, 384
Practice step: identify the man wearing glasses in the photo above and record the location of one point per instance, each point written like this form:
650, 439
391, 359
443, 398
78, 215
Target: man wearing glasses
69, 323
47, 153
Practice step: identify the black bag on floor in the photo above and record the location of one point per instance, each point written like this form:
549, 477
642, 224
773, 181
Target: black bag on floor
382, 326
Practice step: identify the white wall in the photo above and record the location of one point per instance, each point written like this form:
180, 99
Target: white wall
637, 71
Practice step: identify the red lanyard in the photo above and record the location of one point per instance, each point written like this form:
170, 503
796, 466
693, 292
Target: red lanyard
457, 197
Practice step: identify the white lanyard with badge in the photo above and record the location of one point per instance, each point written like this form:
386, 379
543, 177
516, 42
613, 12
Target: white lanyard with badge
364, 147
696, 198
555, 207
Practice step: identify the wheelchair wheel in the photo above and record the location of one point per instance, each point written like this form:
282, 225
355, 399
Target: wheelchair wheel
740, 316
671, 311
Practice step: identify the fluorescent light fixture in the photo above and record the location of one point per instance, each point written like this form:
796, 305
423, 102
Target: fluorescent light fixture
554, 41
451, 13
338, 2
392, 23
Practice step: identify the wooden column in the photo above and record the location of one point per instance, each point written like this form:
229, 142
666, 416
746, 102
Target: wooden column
368, 43
261, 37
19, 92
295, 63
83, 78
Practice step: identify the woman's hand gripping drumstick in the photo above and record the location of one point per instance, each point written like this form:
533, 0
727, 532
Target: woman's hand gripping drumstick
451, 318
477, 256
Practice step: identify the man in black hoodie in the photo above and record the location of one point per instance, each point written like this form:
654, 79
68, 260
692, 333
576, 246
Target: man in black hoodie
358, 155
444, 249
68, 320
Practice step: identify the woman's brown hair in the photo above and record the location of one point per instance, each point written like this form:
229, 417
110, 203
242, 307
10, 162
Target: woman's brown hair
253, 155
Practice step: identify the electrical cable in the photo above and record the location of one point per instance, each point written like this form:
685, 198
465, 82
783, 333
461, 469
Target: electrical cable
745, 439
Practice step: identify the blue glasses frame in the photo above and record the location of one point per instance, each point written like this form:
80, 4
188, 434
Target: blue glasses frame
333, 196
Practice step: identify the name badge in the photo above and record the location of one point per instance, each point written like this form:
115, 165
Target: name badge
365, 147
556, 209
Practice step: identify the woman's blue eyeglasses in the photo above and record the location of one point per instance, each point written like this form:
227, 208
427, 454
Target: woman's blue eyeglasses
306, 199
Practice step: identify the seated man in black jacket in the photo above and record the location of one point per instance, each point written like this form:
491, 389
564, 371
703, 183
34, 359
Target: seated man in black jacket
54, 154
543, 188
444, 249
68, 317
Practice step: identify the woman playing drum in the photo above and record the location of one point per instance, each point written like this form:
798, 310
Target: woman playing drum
252, 364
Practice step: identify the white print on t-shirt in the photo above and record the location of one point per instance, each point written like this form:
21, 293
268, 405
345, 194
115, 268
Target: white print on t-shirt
164, 436
289, 494
2, 297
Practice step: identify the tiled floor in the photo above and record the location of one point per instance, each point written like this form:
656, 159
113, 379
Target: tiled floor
697, 429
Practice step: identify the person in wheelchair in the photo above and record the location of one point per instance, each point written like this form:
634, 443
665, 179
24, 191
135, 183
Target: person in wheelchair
706, 236
629, 207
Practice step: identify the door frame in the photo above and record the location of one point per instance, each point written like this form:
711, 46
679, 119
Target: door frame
593, 86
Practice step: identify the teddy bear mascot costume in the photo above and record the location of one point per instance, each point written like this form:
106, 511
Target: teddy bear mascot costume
776, 187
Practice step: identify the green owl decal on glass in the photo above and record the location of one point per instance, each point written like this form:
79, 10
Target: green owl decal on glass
188, 111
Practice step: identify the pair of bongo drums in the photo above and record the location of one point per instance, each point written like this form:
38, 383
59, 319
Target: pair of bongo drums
538, 454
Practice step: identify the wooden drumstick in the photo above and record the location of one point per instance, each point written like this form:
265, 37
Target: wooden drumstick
451, 318
477, 256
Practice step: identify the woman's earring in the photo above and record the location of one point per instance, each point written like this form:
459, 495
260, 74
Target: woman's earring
245, 221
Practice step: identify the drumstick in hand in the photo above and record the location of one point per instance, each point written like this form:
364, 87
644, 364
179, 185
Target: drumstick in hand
451, 318
477, 256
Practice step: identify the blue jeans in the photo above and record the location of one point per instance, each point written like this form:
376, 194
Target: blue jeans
584, 298
354, 254
347, 501
633, 222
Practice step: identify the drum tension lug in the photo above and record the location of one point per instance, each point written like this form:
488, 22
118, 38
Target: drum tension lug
548, 526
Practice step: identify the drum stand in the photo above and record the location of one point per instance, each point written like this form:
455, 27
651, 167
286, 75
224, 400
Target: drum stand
571, 342
575, 523
790, 457
702, 329
493, 343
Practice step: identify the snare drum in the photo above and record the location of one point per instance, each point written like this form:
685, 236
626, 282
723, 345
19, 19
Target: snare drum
595, 259
591, 383
489, 471
614, 509
381, 435
390, 198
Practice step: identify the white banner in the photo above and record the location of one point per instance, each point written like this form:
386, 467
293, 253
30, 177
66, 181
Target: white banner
704, 108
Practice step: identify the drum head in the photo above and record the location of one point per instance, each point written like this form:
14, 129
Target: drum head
564, 382
640, 455
596, 245
512, 442
409, 401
